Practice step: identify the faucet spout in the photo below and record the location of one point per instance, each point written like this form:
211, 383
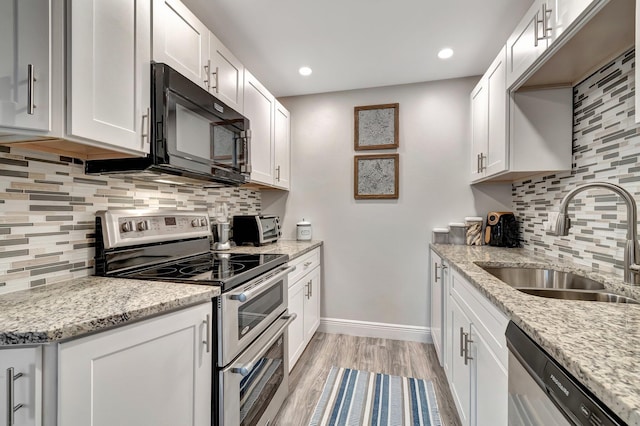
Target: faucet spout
631, 248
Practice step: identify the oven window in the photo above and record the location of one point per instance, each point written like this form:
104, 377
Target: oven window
260, 385
252, 313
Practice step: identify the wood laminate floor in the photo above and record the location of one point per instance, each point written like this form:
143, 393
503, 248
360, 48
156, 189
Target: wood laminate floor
399, 358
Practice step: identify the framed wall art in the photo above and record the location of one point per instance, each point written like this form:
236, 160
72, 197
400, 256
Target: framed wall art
376, 126
376, 176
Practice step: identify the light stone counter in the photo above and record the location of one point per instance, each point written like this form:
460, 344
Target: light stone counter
291, 247
599, 343
71, 309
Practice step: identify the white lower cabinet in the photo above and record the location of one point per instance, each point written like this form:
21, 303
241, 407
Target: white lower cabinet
23, 390
155, 372
478, 355
437, 280
304, 301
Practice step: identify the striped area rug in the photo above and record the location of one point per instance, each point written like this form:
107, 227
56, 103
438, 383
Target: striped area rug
353, 397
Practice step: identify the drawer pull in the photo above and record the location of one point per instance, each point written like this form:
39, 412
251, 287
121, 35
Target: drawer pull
307, 264
467, 340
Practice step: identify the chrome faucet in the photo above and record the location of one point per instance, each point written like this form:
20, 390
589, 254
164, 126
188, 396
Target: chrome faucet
631, 250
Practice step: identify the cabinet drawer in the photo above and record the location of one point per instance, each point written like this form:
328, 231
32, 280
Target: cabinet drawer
485, 317
304, 264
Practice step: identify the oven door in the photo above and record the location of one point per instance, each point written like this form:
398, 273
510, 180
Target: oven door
245, 312
254, 386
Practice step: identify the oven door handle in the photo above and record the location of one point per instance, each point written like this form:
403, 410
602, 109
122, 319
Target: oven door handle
244, 296
245, 369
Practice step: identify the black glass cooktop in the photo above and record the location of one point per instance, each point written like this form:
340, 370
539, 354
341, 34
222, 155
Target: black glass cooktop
223, 269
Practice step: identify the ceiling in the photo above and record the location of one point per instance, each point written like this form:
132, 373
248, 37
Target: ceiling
353, 44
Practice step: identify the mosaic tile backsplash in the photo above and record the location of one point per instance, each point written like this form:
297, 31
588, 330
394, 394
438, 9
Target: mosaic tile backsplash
47, 208
606, 147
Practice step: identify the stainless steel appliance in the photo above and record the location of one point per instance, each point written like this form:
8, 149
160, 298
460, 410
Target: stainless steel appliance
221, 236
542, 393
250, 363
256, 229
193, 136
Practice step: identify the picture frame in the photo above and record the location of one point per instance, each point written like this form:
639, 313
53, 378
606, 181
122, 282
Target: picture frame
376, 176
376, 127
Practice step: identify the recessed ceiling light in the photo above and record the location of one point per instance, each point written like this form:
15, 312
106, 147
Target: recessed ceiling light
445, 53
305, 71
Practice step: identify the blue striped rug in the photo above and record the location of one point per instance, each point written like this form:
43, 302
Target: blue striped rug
353, 397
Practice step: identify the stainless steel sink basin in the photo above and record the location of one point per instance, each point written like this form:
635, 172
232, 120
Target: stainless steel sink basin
542, 278
594, 296
555, 284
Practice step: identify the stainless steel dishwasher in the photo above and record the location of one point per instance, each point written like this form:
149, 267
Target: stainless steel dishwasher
542, 393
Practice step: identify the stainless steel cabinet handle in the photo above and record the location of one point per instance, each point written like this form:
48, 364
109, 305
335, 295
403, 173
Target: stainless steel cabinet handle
310, 289
245, 369
546, 29
306, 290
462, 333
207, 79
216, 75
206, 341
435, 271
482, 166
31, 81
278, 173
478, 163
307, 264
11, 407
467, 340
536, 21
146, 129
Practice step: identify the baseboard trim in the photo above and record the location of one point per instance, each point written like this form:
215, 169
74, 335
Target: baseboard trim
380, 330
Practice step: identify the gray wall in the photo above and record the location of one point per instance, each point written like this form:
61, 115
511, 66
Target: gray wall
376, 252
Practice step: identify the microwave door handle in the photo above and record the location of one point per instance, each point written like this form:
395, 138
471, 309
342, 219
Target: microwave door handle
245, 369
246, 140
245, 296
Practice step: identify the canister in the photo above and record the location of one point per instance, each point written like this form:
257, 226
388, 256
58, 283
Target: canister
440, 235
303, 230
474, 230
457, 233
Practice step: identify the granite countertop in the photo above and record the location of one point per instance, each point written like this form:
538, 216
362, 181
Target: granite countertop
599, 343
73, 308
291, 247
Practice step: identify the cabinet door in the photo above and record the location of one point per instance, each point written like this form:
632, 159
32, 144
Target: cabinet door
495, 159
26, 387
479, 132
460, 377
25, 35
297, 294
259, 108
181, 41
156, 372
312, 304
561, 14
109, 74
227, 74
526, 44
282, 147
491, 384
436, 281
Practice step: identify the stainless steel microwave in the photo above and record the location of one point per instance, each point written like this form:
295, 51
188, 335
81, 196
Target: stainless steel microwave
193, 136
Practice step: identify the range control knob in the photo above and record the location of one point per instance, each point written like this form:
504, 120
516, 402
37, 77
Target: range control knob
195, 223
203, 221
143, 225
128, 226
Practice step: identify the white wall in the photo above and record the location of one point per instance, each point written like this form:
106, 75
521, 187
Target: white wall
376, 251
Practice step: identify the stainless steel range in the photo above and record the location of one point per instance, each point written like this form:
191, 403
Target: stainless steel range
251, 364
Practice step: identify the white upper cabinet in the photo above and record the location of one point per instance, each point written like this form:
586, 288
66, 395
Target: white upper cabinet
489, 121
109, 73
561, 14
259, 107
282, 147
527, 42
227, 74
25, 70
181, 41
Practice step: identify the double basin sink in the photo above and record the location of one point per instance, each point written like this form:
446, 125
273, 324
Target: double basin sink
555, 284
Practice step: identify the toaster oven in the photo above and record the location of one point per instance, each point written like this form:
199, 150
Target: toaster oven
256, 229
